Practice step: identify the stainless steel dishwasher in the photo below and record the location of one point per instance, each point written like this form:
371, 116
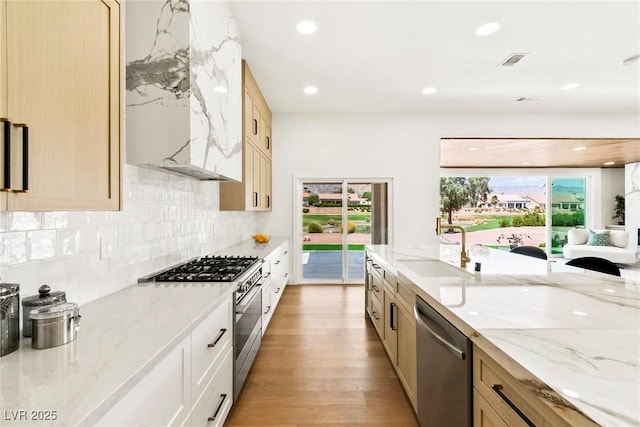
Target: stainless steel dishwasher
444, 370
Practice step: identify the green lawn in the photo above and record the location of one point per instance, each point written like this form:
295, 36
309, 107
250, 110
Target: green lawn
313, 247
324, 219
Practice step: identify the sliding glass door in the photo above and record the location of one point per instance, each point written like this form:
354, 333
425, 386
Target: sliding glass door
568, 197
338, 219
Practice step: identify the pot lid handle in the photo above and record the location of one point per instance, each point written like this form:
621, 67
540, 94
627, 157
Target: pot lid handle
44, 291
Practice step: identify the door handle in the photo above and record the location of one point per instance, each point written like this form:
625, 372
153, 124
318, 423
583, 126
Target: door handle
25, 157
6, 178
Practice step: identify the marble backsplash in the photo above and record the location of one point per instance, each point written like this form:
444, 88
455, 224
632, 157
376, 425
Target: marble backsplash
165, 219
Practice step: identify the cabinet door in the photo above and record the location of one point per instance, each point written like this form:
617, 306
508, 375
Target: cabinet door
248, 115
265, 183
63, 82
483, 414
257, 178
407, 357
250, 197
162, 397
284, 267
391, 326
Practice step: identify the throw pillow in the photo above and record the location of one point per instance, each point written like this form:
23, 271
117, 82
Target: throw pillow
598, 238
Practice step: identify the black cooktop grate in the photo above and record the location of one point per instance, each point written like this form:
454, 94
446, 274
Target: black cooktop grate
208, 269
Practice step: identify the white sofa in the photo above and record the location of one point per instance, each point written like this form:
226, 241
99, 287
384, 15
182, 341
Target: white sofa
616, 251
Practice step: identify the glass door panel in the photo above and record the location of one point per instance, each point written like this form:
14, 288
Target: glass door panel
322, 231
567, 209
338, 219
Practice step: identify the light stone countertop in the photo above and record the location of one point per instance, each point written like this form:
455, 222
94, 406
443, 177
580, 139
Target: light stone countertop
122, 337
571, 336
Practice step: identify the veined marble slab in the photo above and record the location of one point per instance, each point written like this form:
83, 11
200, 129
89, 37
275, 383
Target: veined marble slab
574, 330
184, 87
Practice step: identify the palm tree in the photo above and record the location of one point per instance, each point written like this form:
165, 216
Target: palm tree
494, 200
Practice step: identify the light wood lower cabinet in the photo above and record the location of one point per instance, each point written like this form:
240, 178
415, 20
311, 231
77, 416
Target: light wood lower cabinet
389, 304
191, 386
497, 390
483, 414
60, 99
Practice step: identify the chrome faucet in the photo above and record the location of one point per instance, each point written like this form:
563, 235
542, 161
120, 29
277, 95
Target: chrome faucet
464, 258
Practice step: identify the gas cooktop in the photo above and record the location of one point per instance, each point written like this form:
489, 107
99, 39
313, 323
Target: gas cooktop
208, 269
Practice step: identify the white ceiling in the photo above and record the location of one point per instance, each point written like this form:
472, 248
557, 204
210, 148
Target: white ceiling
377, 56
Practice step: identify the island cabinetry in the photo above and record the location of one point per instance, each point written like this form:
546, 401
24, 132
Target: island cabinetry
254, 193
60, 105
389, 304
500, 397
407, 366
192, 385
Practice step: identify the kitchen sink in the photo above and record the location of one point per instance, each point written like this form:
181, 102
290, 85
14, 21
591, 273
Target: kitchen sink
433, 268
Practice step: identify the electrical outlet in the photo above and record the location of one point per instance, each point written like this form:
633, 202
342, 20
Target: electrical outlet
107, 243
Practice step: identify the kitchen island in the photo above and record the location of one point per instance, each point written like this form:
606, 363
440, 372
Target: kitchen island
570, 337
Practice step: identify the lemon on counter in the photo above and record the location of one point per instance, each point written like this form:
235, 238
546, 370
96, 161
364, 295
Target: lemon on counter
261, 238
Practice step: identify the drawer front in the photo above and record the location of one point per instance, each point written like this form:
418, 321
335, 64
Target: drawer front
406, 296
483, 413
214, 405
377, 288
210, 340
377, 316
510, 399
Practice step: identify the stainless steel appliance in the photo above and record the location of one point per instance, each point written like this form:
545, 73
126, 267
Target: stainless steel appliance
9, 317
54, 325
246, 273
444, 370
45, 298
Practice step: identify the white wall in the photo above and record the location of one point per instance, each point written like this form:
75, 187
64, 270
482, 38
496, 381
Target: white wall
165, 220
612, 183
404, 147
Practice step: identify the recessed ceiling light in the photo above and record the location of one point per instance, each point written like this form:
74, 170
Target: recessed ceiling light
579, 313
524, 163
220, 89
609, 163
570, 86
429, 90
486, 29
630, 60
306, 27
473, 148
310, 90
579, 148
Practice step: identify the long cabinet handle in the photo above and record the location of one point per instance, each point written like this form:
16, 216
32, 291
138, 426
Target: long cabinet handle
268, 201
268, 143
25, 157
255, 199
375, 314
392, 317
220, 403
268, 310
214, 342
6, 179
255, 126
498, 389
277, 291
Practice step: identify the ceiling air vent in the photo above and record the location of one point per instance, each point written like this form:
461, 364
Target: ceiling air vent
513, 59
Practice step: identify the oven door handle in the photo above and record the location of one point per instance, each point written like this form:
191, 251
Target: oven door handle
248, 299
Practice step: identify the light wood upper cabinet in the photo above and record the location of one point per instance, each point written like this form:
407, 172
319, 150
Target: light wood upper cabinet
254, 193
60, 76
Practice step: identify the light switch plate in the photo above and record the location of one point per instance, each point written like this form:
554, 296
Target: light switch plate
108, 239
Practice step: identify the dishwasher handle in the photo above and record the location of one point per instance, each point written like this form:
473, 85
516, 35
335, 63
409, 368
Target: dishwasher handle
422, 320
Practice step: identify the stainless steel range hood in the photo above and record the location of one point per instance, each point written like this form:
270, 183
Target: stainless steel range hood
184, 81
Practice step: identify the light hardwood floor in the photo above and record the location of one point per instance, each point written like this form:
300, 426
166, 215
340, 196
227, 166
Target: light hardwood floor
322, 364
